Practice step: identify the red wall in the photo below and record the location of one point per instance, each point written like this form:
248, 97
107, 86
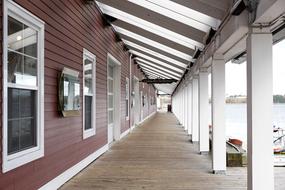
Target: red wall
148, 90
70, 26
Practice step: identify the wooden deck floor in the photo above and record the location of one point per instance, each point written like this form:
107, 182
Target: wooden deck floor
158, 155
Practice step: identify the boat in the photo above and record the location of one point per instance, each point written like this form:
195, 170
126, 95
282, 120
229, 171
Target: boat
236, 155
279, 146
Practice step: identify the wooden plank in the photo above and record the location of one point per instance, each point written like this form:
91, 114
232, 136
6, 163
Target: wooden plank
159, 156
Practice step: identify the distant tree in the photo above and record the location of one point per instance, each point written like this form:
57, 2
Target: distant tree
278, 99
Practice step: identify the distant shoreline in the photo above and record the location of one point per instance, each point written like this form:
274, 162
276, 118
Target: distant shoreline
241, 99
245, 103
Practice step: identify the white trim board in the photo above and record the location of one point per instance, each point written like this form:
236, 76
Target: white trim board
69, 173
133, 127
147, 118
125, 133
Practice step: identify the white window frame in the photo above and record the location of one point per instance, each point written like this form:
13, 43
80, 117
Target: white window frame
128, 98
15, 160
90, 132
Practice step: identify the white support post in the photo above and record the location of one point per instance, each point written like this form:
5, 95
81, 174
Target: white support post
182, 107
203, 111
218, 114
195, 111
259, 110
185, 108
179, 110
189, 115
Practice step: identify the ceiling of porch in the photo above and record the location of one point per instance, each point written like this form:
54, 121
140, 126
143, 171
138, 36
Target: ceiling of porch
165, 36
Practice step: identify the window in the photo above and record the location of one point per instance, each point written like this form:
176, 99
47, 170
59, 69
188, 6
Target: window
111, 93
127, 98
89, 92
23, 76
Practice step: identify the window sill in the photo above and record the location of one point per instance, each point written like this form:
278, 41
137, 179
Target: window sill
12, 163
88, 133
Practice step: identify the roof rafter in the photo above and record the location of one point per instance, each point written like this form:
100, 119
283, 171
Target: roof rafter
180, 13
157, 61
155, 54
158, 71
152, 64
154, 37
155, 23
213, 8
153, 45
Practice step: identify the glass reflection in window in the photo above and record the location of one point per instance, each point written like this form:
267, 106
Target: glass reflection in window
22, 53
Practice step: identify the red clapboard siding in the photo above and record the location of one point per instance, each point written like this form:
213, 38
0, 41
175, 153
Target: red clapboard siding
70, 26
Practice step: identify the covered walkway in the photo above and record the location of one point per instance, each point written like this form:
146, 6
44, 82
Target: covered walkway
158, 155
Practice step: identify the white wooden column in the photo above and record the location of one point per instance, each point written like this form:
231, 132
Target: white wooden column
189, 108
203, 111
259, 110
186, 107
183, 105
180, 105
218, 114
195, 111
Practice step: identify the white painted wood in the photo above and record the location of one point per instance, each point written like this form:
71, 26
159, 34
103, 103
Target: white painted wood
179, 107
189, 108
218, 114
203, 112
128, 98
13, 161
68, 174
90, 132
136, 101
114, 130
141, 106
186, 108
195, 110
259, 114
125, 133
147, 118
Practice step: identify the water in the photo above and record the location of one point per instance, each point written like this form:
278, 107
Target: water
236, 126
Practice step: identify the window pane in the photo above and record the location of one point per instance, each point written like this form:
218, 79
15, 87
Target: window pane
21, 119
110, 86
127, 108
110, 71
88, 112
110, 117
22, 38
71, 93
88, 64
27, 100
30, 42
27, 133
13, 136
22, 69
15, 34
110, 101
14, 103
22, 53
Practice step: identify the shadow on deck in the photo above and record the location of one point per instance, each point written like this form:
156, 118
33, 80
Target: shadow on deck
158, 155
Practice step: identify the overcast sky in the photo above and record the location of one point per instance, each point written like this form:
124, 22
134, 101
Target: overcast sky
236, 74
